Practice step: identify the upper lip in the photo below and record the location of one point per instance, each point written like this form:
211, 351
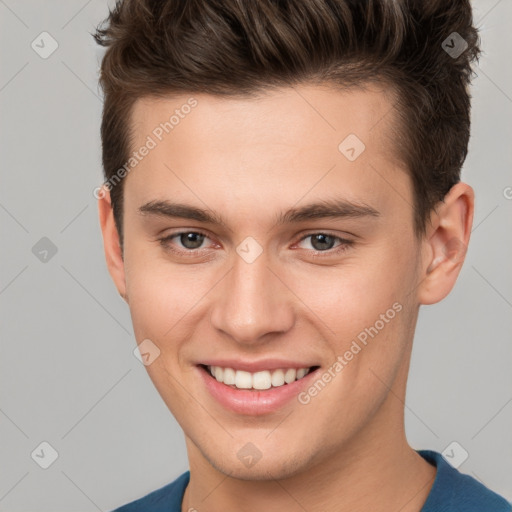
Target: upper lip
256, 366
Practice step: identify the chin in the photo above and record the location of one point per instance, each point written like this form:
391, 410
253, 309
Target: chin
276, 468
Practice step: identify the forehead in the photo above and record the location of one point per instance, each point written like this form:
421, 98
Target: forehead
283, 144
321, 112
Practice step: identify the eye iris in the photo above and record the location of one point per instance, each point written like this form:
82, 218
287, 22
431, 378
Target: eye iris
194, 239
324, 240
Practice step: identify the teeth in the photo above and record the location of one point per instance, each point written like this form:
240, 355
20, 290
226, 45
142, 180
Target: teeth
261, 380
290, 375
229, 377
277, 378
301, 372
243, 380
258, 380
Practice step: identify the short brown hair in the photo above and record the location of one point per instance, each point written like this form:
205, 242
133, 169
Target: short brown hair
240, 47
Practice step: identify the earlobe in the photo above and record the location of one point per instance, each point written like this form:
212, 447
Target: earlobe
111, 242
445, 244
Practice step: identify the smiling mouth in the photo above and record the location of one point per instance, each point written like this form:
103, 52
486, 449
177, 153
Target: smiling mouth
257, 381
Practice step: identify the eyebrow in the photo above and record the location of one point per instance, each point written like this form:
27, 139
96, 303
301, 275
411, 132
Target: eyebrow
327, 209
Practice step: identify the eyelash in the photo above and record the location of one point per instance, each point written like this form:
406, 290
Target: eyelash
341, 248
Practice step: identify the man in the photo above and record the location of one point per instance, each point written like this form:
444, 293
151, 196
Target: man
282, 194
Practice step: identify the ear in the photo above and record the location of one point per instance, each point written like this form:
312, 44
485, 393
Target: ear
111, 243
445, 244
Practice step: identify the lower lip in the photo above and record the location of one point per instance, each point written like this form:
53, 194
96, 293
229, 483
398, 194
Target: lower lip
254, 402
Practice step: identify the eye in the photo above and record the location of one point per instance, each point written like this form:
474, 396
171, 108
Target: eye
191, 240
188, 241
325, 243
321, 241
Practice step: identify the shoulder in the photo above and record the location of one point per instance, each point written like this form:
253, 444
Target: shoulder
167, 498
455, 492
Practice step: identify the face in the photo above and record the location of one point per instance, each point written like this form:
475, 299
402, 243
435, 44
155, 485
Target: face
228, 263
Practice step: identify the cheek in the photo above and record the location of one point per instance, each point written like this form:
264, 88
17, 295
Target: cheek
156, 294
161, 301
365, 312
167, 301
353, 296
370, 324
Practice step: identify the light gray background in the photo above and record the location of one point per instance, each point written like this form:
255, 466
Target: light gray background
68, 374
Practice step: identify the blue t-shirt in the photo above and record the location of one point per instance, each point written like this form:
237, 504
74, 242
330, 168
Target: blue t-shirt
452, 492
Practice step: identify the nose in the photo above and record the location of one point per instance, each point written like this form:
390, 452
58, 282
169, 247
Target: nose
252, 302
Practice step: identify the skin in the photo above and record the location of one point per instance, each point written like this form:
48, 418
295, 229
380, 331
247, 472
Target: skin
247, 160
